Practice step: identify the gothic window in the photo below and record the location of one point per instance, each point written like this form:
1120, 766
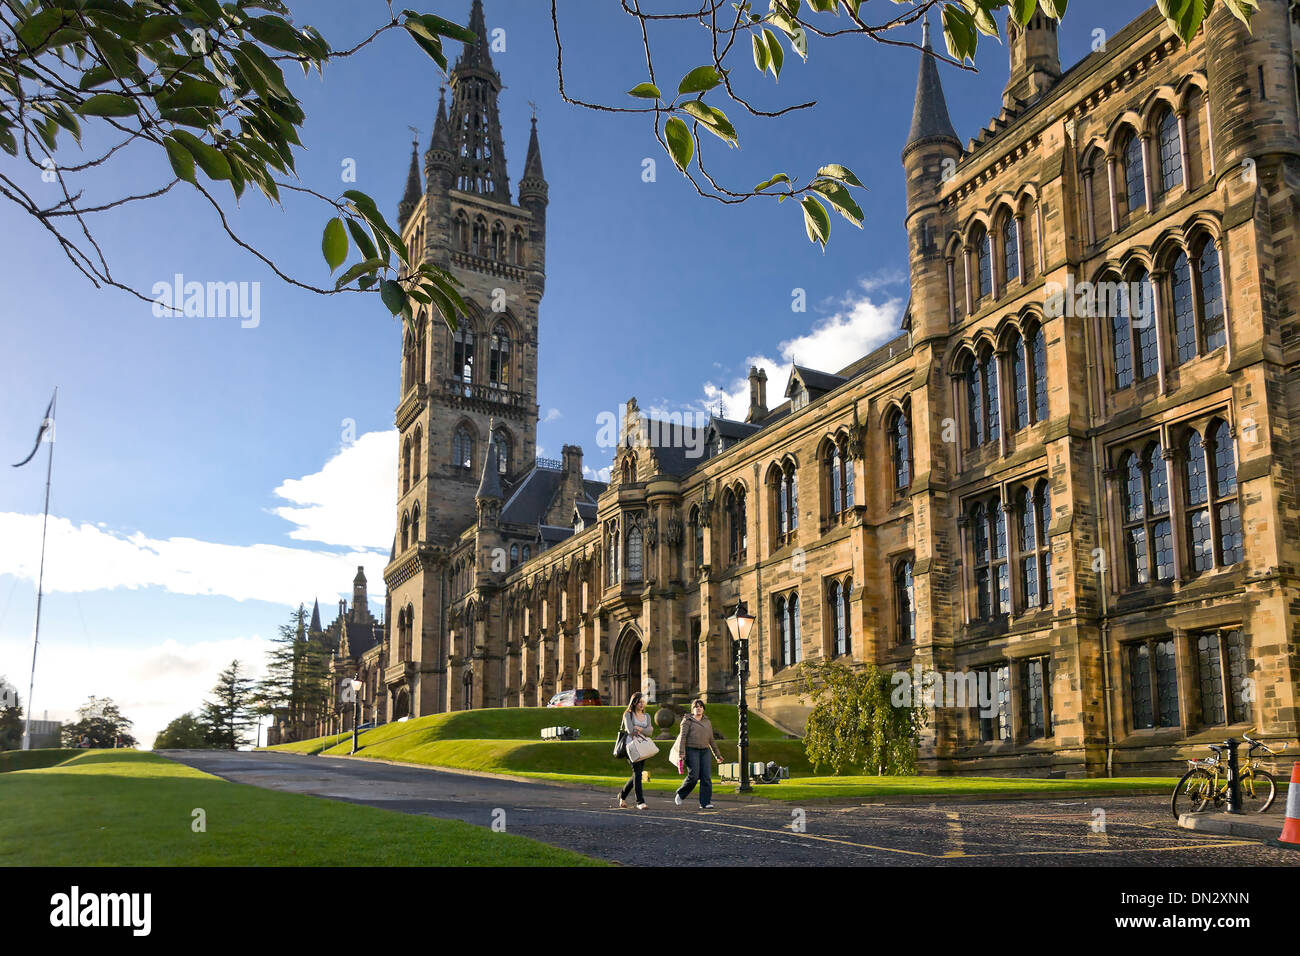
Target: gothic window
1134, 174
499, 358
417, 451
1180, 287
982, 401
1210, 298
836, 466
1227, 510
1010, 250
415, 524
997, 726
1121, 334
734, 508
983, 264
900, 450
697, 539
1196, 484
1036, 706
904, 603
783, 484
1038, 355
497, 246
528, 552
1019, 383
1221, 675
634, 554
462, 448
1153, 690
460, 232
1148, 538
514, 556
421, 324
988, 535
1033, 508
406, 530
462, 358
479, 238
406, 466
788, 629
1171, 152
1133, 331
837, 603
796, 629
615, 555
501, 439
408, 361
517, 247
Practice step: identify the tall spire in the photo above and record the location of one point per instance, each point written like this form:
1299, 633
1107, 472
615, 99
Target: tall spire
930, 119
474, 123
533, 162
411, 197
489, 486
315, 618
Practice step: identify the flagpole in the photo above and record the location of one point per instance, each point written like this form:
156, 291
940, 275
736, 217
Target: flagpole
40, 577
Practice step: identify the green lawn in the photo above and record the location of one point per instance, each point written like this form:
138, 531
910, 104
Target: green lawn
128, 808
33, 759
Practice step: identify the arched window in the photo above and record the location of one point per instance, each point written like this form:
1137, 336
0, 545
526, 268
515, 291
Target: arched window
1171, 151
462, 448
1134, 175
975, 402
1038, 354
460, 232
514, 555
615, 555
499, 358
783, 630
1121, 333
497, 247
634, 554
796, 629
1148, 538
1133, 330
983, 263
1019, 383
1043, 496
904, 603
1180, 288
408, 361
421, 324
734, 507
900, 450
517, 247
838, 619
850, 496
501, 439
836, 465
1010, 250
528, 552
479, 238
1226, 507
406, 466
462, 357
982, 398
1143, 313
1210, 298
792, 495
406, 530
1032, 510
415, 524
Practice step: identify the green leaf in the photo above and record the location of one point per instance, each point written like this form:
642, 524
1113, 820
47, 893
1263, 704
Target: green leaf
762, 58
816, 221
430, 45
1053, 8
368, 267
839, 197
362, 240
714, 120
209, 158
393, 295
774, 50
778, 178
646, 91
107, 104
190, 92
158, 27
334, 243
181, 159
842, 173
680, 145
959, 33
699, 80
1023, 10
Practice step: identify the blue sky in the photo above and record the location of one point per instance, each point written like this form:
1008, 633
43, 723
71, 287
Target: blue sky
208, 476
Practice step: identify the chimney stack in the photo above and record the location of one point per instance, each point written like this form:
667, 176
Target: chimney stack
757, 394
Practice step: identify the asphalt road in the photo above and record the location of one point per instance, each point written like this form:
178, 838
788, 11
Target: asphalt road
1138, 831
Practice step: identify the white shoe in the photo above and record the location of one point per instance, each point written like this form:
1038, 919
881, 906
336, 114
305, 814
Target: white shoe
677, 799
707, 806
641, 806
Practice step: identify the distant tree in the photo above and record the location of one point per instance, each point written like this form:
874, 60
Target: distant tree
297, 684
229, 715
100, 720
186, 732
11, 716
854, 725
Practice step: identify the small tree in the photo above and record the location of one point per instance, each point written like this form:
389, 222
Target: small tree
186, 732
853, 723
11, 716
100, 720
229, 716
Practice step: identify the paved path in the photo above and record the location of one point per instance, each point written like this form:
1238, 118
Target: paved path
1050, 832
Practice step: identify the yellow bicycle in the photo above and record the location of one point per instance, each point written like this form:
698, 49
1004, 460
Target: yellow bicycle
1206, 782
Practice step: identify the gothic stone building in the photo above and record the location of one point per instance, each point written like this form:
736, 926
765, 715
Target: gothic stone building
1071, 475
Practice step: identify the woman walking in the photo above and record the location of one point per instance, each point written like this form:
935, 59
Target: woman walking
636, 723
697, 748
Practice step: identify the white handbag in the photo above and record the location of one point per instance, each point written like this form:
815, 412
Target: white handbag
640, 748
675, 753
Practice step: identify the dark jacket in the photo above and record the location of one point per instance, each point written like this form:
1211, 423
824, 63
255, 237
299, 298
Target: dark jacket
699, 733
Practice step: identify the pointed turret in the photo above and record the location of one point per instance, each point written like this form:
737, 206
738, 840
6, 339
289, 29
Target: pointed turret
441, 135
533, 162
411, 197
473, 122
360, 602
489, 486
930, 121
476, 55
534, 196
315, 618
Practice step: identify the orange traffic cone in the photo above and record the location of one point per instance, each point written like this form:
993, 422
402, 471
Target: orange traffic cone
1291, 828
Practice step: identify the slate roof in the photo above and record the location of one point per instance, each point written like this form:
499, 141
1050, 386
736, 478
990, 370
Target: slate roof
930, 119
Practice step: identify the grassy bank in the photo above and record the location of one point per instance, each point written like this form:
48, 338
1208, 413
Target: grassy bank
127, 808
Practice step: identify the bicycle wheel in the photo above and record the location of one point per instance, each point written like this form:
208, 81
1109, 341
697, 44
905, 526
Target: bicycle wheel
1193, 792
1258, 789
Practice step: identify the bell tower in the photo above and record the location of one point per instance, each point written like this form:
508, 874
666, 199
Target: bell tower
464, 388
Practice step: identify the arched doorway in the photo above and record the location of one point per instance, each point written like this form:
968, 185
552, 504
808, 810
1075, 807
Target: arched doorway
627, 666
402, 704
468, 681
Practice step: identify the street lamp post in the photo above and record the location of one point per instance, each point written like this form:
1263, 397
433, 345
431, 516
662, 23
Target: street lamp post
356, 711
740, 623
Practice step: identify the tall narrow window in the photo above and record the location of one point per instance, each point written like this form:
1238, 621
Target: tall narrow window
1001, 573
1036, 704
1196, 484
1134, 177
1221, 675
1010, 250
900, 447
1226, 506
501, 439
1027, 519
984, 263
792, 495
1043, 495
415, 524
996, 681
1148, 537
734, 507
499, 358
783, 631
1143, 314
417, 453
1038, 353
975, 402
1171, 152
1019, 383
462, 448
850, 499
1180, 287
1121, 332
837, 601
796, 630
836, 480
983, 577
634, 554
697, 536
1213, 327
991, 399
905, 603
462, 362
615, 555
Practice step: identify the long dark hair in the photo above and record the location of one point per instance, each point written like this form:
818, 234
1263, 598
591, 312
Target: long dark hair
636, 699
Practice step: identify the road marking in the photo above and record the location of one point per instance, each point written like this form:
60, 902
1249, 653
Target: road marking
955, 834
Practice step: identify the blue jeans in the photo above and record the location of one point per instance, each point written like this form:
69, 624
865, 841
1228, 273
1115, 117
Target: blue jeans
698, 768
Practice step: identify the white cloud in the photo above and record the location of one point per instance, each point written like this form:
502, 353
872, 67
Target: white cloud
597, 474
83, 557
152, 685
350, 501
859, 326
553, 415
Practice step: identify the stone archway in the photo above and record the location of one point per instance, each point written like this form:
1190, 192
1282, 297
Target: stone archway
626, 679
401, 704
